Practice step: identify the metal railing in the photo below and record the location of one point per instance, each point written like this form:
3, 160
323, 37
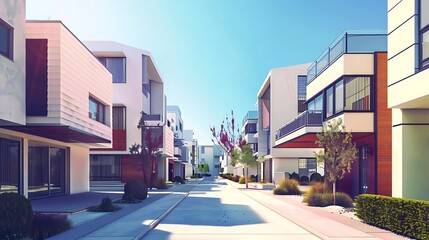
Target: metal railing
307, 118
250, 115
349, 42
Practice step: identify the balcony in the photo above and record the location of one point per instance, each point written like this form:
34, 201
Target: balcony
349, 42
177, 152
251, 115
307, 118
154, 117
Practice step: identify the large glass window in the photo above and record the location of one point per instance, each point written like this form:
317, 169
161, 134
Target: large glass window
116, 66
302, 87
118, 118
96, 110
6, 40
9, 165
330, 102
358, 91
105, 168
307, 166
46, 171
339, 97
316, 104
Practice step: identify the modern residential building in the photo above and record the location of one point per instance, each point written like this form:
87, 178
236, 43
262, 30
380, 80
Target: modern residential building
178, 166
408, 54
138, 100
211, 154
349, 82
190, 144
248, 130
56, 104
280, 99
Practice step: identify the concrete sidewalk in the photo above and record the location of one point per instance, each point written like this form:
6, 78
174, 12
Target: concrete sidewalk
132, 221
318, 221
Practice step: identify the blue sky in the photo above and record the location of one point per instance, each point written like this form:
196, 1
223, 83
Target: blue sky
215, 54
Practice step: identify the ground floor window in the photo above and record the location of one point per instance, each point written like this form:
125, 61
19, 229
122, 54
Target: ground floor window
105, 168
9, 165
46, 171
307, 166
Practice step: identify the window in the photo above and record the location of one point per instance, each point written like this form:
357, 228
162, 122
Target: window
330, 102
316, 104
10, 155
202, 150
307, 166
302, 92
96, 110
146, 89
358, 91
424, 32
250, 128
116, 66
6, 40
118, 118
302, 87
339, 97
105, 168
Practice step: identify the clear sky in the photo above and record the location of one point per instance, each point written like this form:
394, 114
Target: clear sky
215, 54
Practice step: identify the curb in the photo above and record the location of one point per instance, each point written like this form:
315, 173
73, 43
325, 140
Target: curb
155, 222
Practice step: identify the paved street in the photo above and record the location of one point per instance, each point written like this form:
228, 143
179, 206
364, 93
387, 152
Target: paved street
215, 210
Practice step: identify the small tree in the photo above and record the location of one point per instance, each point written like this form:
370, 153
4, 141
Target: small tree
234, 147
244, 156
339, 151
148, 150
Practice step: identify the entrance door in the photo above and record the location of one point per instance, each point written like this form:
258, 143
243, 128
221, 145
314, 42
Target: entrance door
46, 171
363, 169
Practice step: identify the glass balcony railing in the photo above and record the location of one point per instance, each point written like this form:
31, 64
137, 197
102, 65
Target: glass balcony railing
307, 118
364, 41
250, 115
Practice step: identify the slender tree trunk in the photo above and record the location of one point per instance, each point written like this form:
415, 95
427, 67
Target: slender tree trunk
152, 172
246, 176
333, 190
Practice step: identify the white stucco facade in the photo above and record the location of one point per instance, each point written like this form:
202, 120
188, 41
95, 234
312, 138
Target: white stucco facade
408, 96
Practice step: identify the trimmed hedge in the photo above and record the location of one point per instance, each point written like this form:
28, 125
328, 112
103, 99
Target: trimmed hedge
47, 225
403, 216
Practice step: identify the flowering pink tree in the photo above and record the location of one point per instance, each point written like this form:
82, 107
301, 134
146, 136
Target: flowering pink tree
235, 146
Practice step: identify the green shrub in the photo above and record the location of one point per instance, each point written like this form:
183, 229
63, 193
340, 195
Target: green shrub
343, 200
319, 199
161, 184
294, 176
235, 178
242, 180
304, 179
403, 216
287, 187
316, 177
196, 176
178, 179
47, 225
319, 187
137, 188
15, 216
127, 198
252, 178
105, 206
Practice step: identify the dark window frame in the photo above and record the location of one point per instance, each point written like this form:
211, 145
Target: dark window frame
323, 93
423, 63
124, 112
10, 33
99, 106
102, 60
